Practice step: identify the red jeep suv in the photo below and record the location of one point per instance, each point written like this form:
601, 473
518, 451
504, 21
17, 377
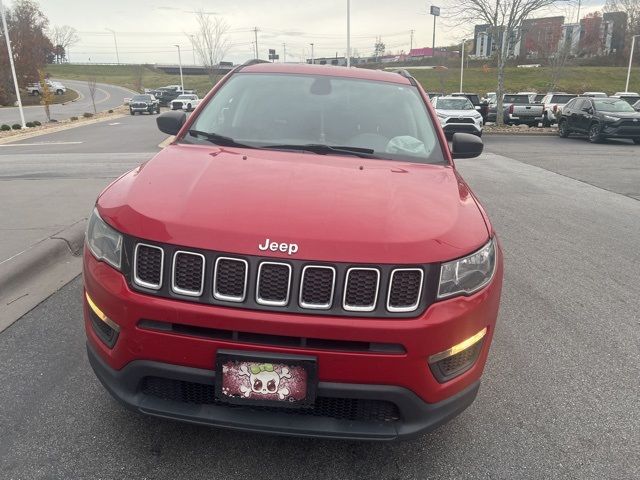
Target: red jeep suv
303, 259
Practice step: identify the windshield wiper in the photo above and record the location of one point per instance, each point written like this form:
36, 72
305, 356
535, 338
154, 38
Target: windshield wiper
322, 149
218, 139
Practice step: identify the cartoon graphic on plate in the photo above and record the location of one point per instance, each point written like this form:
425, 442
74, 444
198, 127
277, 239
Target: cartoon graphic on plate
264, 381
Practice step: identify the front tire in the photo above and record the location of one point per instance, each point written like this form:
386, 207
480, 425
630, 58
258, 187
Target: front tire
546, 122
59, 92
189, 107
595, 135
563, 130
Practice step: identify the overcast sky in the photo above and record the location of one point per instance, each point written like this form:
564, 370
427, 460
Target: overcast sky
147, 29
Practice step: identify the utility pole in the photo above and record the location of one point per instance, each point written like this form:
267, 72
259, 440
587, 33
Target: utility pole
13, 67
312, 57
284, 53
578, 16
435, 11
255, 31
633, 44
411, 42
116, 43
462, 64
348, 33
180, 64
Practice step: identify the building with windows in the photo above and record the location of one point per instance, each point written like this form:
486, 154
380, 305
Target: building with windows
540, 37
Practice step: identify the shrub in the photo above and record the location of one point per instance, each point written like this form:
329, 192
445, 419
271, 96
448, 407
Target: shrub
5, 127
16, 126
30, 124
110, 111
73, 119
87, 114
37, 123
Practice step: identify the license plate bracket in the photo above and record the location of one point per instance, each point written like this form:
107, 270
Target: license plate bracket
265, 379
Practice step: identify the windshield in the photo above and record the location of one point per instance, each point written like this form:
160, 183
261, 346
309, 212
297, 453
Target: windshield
612, 105
454, 104
280, 110
561, 98
141, 98
519, 99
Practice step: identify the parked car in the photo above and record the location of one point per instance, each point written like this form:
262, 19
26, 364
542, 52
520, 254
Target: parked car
186, 101
629, 97
478, 104
553, 103
599, 119
56, 88
595, 94
457, 114
145, 102
267, 257
166, 94
520, 110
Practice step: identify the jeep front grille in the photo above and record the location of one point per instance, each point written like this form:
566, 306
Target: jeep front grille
265, 283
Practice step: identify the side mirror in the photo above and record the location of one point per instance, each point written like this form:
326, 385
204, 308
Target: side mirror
466, 145
171, 122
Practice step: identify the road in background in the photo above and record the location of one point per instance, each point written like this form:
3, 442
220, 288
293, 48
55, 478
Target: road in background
559, 395
107, 97
51, 181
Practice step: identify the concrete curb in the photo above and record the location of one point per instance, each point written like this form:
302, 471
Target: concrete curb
59, 128
35, 273
522, 134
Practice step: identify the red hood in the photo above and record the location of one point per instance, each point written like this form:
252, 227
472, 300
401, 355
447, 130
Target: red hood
345, 209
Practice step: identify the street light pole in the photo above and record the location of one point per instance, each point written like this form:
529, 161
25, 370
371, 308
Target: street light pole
462, 64
633, 44
312, 57
13, 67
180, 64
193, 48
435, 11
348, 33
115, 41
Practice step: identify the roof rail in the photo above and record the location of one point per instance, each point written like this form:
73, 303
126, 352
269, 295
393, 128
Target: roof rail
248, 63
405, 73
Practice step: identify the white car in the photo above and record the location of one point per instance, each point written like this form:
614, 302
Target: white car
186, 101
553, 103
595, 94
457, 114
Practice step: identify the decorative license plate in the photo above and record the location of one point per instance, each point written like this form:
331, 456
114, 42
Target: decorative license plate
265, 380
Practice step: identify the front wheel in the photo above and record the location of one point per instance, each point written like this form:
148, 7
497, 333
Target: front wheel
188, 107
594, 133
546, 122
132, 112
59, 92
563, 130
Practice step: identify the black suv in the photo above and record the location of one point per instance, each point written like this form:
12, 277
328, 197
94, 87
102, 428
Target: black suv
599, 119
144, 103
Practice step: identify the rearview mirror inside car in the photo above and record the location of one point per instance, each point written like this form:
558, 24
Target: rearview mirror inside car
466, 145
171, 122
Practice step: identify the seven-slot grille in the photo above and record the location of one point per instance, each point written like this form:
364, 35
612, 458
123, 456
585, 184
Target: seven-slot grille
295, 285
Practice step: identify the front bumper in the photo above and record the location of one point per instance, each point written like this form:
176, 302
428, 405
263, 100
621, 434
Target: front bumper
621, 130
128, 387
402, 378
451, 128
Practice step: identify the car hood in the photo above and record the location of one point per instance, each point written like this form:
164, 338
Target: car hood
622, 115
459, 113
334, 208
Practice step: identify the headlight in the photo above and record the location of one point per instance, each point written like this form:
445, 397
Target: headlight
103, 241
469, 274
609, 118
441, 115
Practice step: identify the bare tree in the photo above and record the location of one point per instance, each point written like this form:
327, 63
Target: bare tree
91, 84
210, 41
504, 18
63, 37
47, 95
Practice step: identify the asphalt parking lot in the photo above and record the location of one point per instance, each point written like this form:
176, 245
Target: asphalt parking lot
560, 393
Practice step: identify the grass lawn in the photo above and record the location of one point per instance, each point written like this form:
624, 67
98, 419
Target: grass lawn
480, 80
28, 100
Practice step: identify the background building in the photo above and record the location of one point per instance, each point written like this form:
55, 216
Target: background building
540, 37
